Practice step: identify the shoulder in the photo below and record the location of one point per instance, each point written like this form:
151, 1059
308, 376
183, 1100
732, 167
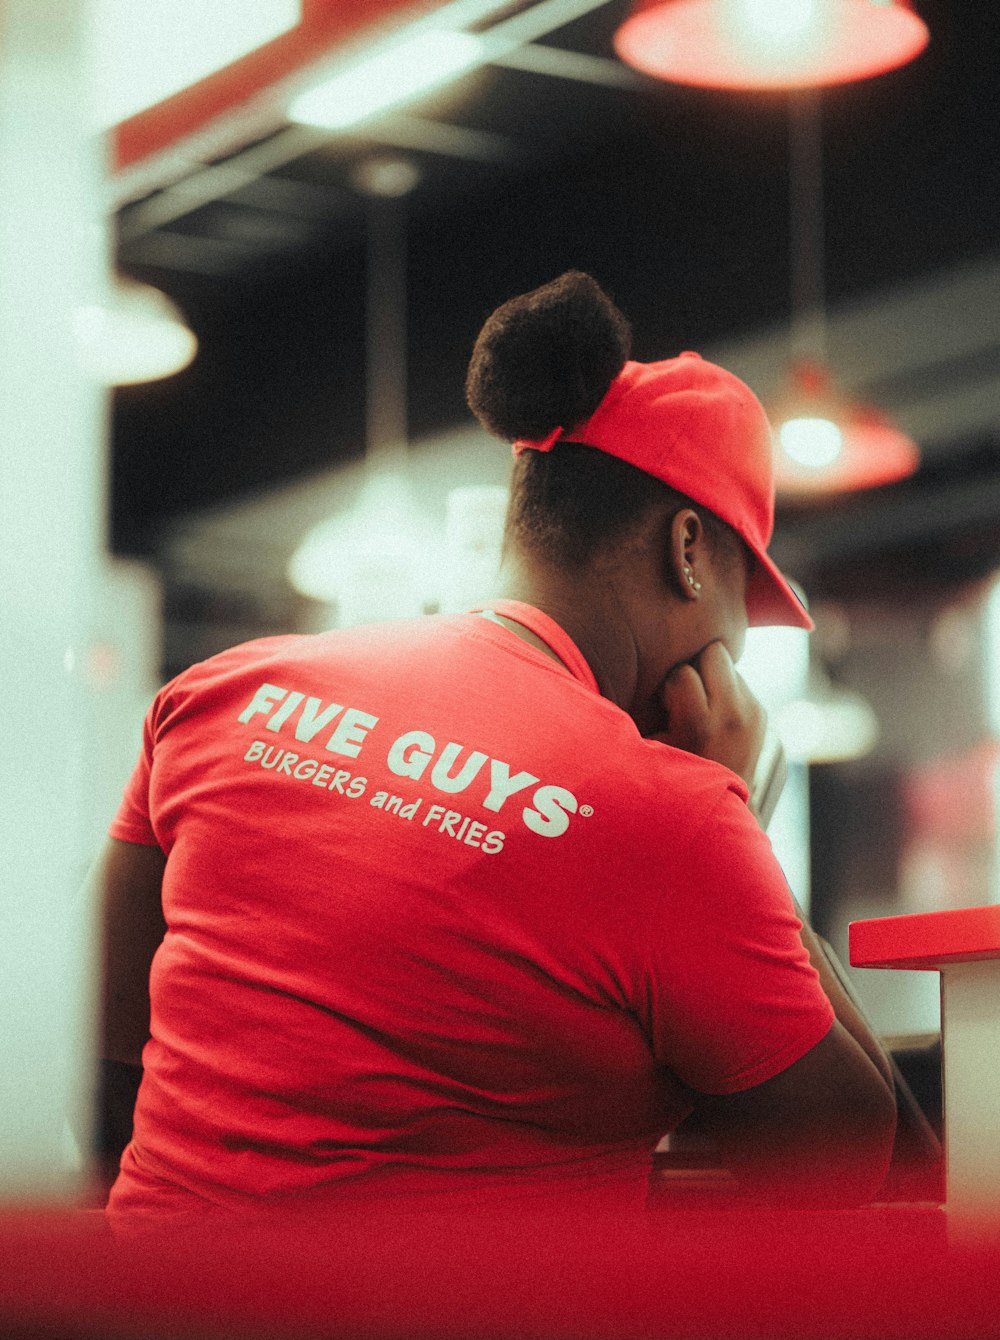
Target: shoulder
306, 659
234, 657
699, 794
244, 654
690, 819
202, 676
660, 817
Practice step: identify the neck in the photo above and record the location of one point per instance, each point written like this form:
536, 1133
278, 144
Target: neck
590, 610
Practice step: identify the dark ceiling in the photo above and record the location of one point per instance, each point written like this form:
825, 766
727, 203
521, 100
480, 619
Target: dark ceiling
675, 199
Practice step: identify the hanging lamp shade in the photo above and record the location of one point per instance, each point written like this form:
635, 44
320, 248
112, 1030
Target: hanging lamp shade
377, 560
826, 443
136, 334
769, 44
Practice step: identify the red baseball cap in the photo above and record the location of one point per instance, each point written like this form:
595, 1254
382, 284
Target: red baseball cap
704, 433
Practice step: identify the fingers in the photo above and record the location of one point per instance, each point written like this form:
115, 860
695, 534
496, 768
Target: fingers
718, 674
685, 702
711, 712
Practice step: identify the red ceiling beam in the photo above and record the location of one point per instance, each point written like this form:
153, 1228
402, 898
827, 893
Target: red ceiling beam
325, 25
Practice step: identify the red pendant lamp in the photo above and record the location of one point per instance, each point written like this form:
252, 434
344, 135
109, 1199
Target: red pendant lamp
769, 44
827, 443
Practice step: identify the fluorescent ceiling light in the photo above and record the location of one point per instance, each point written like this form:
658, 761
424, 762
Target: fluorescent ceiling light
392, 76
143, 51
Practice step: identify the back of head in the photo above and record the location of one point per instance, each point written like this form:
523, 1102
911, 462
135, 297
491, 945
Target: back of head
603, 440
543, 362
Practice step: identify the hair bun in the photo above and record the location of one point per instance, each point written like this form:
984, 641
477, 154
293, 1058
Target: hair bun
545, 360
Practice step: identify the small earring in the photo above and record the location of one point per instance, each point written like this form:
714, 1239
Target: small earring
695, 586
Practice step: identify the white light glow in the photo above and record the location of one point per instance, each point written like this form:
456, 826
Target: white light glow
143, 51
775, 664
391, 77
137, 335
778, 29
473, 539
833, 727
991, 653
991, 683
377, 561
778, 20
814, 443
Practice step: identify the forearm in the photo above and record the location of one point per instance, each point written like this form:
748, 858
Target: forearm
125, 884
843, 1006
818, 1134
118, 1086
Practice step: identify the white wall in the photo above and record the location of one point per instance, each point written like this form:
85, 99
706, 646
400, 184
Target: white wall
52, 426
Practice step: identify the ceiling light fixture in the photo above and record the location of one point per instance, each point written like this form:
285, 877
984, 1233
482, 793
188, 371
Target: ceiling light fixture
377, 559
135, 335
825, 442
388, 78
769, 44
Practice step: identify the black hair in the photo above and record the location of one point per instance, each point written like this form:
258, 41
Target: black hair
545, 360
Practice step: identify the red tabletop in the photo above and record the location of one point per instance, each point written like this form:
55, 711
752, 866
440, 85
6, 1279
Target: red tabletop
927, 939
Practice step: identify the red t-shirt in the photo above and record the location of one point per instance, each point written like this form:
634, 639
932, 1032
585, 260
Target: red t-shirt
438, 917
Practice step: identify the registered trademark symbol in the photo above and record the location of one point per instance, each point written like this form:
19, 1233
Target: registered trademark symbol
586, 810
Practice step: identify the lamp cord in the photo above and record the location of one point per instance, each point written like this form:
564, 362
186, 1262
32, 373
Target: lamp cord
806, 235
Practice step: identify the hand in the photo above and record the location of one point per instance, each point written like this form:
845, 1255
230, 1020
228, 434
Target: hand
711, 712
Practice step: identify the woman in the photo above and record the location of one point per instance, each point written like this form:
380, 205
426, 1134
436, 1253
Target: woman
474, 905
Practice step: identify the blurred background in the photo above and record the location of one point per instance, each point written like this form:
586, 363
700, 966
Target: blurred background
328, 264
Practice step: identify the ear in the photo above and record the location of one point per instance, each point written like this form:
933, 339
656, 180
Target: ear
685, 550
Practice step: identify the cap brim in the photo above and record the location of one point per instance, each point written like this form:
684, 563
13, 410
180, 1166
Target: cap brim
771, 600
